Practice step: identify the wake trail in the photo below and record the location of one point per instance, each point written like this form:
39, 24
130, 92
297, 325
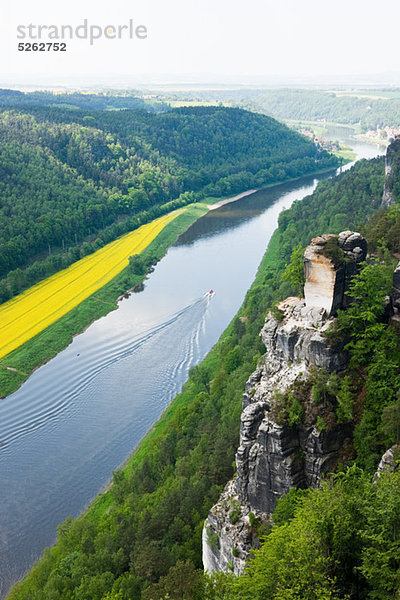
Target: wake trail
64, 397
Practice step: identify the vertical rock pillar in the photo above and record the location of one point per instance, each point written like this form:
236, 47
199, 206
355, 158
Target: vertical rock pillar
329, 263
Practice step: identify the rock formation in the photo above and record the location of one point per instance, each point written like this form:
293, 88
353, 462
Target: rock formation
275, 455
387, 462
391, 160
330, 262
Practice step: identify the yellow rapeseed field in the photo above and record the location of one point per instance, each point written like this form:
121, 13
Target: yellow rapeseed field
41, 305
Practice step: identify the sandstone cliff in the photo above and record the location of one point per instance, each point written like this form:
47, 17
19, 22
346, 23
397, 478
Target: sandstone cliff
287, 438
391, 162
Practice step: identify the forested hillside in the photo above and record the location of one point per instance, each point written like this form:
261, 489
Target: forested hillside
142, 539
311, 105
365, 107
71, 181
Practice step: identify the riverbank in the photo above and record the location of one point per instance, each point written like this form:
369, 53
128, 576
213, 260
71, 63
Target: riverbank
229, 200
321, 128
18, 366
348, 156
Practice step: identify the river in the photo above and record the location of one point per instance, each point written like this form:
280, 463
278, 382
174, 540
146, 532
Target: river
79, 416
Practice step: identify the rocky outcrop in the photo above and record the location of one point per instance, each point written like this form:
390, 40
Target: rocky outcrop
387, 462
227, 544
297, 341
273, 457
276, 454
392, 157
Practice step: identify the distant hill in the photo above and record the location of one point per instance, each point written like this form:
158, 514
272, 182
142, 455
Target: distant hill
77, 100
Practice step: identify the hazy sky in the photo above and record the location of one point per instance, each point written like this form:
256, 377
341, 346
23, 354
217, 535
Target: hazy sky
207, 40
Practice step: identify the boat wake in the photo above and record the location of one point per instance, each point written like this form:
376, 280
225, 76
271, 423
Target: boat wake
48, 402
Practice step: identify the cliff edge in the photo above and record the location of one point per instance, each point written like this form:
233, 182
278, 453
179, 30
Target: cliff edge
289, 433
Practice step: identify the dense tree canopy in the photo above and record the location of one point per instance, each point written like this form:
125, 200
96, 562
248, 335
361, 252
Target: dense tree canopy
340, 542
313, 105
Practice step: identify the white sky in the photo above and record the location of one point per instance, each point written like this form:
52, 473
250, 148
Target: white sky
208, 40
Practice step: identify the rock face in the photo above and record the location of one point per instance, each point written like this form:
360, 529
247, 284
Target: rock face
321, 276
226, 545
392, 155
329, 263
388, 462
274, 456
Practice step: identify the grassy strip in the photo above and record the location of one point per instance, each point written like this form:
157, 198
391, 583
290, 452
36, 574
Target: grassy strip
346, 153
44, 346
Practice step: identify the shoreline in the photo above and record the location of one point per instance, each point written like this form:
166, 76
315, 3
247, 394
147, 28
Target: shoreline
234, 199
225, 201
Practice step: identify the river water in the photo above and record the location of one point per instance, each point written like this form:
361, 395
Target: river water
79, 417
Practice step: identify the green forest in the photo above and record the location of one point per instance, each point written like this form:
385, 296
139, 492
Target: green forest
74, 180
142, 538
